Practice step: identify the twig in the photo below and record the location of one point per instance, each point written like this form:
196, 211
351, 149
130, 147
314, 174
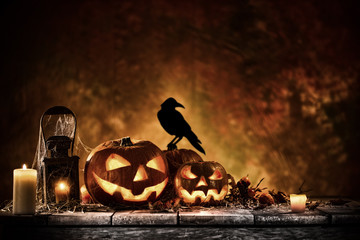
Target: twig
303, 191
259, 182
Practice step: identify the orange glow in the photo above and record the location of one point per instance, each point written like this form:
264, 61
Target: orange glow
62, 186
140, 174
127, 195
83, 189
116, 161
108, 187
62, 191
216, 175
158, 164
187, 174
202, 182
24, 166
85, 196
191, 198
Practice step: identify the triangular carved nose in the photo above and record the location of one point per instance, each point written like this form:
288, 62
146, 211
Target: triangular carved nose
140, 174
202, 182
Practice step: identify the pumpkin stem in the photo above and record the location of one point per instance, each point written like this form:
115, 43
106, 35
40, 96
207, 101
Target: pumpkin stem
126, 142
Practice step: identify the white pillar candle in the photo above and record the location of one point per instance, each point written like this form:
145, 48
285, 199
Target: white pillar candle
62, 191
298, 202
24, 191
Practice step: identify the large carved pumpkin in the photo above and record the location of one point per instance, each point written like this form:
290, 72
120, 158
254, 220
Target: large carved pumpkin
197, 182
126, 172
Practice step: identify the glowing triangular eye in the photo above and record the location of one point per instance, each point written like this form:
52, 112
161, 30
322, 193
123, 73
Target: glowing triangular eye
216, 175
187, 174
157, 164
116, 161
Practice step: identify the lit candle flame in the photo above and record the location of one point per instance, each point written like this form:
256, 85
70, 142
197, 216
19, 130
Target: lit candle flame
24, 166
62, 191
62, 186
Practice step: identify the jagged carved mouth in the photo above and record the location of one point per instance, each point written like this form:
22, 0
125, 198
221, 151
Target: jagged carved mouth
211, 193
127, 194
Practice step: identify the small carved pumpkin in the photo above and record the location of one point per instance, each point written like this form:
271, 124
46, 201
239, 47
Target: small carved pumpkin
201, 181
125, 172
177, 157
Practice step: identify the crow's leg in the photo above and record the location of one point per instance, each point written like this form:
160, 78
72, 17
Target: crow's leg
172, 141
177, 140
171, 145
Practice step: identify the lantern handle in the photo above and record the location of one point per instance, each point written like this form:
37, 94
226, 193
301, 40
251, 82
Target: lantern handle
58, 110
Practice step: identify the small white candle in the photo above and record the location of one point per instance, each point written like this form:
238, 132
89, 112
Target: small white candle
24, 191
298, 202
62, 191
85, 196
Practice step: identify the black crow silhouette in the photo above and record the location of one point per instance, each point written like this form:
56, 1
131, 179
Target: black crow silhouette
174, 124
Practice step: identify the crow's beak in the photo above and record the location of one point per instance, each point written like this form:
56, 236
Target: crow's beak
179, 105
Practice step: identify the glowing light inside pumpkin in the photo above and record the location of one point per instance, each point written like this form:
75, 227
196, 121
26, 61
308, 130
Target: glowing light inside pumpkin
191, 198
216, 175
115, 161
140, 174
202, 182
158, 164
108, 187
187, 174
127, 195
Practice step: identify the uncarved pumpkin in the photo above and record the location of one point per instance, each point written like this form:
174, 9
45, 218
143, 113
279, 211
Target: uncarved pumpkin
198, 182
126, 172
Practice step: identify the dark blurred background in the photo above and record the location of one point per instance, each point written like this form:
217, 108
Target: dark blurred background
270, 87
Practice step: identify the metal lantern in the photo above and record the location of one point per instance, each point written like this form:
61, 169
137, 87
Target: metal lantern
60, 169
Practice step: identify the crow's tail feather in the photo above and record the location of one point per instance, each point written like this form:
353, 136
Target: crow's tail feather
193, 139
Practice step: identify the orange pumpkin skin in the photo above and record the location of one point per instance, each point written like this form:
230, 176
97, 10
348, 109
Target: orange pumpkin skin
123, 172
198, 182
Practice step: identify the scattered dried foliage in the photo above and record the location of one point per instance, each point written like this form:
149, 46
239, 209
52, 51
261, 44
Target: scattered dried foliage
241, 195
313, 205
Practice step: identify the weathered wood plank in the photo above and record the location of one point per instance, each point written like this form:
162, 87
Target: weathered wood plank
346, 214
144, 217
282, 215
78, 218
216, 217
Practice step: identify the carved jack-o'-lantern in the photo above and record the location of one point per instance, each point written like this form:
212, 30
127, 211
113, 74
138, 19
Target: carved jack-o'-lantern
201, 181
125, 172
177, 157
